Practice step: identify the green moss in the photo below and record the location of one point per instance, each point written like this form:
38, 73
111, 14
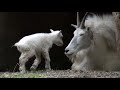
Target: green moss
26, 75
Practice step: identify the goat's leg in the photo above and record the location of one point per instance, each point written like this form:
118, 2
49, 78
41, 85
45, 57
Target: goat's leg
36, 63
23, 59
80, 61
37, 60
79, 64
47, 60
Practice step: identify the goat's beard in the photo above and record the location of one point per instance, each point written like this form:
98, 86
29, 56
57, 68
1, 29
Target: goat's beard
72, 57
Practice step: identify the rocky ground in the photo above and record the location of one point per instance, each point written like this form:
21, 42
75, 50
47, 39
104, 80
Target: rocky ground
61, 74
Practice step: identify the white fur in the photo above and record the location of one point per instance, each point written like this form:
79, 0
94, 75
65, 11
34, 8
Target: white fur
37, 44
101, 54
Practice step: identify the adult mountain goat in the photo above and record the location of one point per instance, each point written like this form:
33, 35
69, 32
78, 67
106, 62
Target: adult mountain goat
93, 46
39, 45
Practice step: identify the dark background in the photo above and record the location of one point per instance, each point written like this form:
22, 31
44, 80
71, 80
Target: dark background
15, 25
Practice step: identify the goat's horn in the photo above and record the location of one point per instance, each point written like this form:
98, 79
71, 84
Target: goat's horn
78, 20
83, 20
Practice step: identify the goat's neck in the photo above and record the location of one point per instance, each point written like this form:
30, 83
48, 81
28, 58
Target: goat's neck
52, 37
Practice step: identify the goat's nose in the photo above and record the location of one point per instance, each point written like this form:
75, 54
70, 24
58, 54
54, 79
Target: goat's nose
66, 51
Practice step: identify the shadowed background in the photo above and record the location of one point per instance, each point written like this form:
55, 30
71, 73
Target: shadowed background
15, 25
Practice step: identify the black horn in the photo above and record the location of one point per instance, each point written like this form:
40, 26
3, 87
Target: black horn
78, 20
83, 21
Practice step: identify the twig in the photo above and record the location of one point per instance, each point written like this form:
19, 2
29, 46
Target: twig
15, 66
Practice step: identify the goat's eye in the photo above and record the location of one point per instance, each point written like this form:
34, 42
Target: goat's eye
81, 34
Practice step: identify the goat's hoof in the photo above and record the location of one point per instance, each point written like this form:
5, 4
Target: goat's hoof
32, 68
48, 69
23, 72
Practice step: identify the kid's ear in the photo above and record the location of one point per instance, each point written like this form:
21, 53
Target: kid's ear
51, 30
60, 33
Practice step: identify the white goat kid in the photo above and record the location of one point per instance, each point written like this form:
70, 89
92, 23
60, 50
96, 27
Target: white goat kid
39, 45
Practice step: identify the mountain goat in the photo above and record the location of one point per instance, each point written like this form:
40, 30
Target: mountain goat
37, 44
93, 46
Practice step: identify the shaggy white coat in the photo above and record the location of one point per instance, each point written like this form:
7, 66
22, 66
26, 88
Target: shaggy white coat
101, 54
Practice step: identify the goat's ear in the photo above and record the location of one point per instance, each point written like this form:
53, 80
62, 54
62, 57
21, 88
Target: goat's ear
51, 30
60, 33
90, 32
75, 26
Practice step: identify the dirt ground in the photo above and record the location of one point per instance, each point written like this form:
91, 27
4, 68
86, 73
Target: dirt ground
61, 74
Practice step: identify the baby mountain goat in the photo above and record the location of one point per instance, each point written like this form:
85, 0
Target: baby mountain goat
93, 46
39, 45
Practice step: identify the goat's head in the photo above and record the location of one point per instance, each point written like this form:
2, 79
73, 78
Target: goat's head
82, 37
58, 37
